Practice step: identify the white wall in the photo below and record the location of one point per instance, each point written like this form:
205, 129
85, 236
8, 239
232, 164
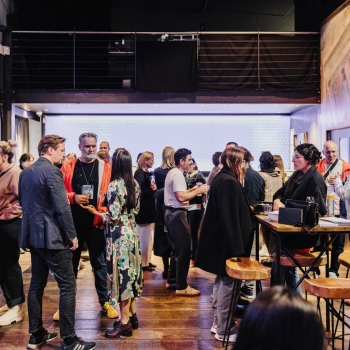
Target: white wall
307, 120
34, 137
203, 135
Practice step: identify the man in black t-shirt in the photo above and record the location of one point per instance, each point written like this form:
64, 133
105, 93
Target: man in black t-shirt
86, 180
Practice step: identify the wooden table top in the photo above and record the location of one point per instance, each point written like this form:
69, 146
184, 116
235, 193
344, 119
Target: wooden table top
275, 226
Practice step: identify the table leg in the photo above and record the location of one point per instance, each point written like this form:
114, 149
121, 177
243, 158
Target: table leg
278, 259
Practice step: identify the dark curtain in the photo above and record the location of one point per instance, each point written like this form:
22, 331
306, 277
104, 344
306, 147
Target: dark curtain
228, 62
167, 66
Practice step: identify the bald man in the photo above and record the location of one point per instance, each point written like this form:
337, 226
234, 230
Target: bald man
332, 165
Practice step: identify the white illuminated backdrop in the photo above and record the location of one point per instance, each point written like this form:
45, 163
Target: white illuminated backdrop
203, 135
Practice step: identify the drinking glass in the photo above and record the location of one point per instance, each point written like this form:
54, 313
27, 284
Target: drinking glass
310, 199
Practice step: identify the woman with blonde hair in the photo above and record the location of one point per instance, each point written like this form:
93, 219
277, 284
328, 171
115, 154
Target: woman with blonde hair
279, 164
227, 231
146, 217
162, 242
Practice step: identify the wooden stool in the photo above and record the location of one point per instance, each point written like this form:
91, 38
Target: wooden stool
330, 288
242, 269
302, 261
344, 259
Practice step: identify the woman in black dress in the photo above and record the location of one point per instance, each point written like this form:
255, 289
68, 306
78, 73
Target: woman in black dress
162, 243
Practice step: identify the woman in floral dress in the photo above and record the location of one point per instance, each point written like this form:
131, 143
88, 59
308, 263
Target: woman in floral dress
123, 256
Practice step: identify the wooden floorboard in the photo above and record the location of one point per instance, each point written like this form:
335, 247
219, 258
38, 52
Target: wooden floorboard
166, 321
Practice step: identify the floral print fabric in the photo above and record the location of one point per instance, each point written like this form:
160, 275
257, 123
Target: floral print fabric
123, 255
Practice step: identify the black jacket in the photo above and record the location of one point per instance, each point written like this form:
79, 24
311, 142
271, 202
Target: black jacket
299, 186
228, 225
147, 211
47, 219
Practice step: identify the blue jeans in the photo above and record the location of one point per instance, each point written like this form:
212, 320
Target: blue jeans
176, 222
96, 243
60, 263
11, 281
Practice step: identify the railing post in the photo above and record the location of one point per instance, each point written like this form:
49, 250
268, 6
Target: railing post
258, 59
6, 127
74, 59
135, 61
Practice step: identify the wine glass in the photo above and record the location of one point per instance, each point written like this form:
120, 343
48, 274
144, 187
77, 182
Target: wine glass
310, 199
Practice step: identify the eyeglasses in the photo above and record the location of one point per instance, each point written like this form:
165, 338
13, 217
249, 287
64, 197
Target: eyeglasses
296, 157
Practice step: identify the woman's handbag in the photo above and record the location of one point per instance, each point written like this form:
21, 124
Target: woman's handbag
310, 219
310, 211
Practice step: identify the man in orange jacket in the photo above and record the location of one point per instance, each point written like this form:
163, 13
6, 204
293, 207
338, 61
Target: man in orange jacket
86, 180
329, 167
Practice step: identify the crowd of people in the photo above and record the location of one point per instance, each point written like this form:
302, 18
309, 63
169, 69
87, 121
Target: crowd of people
122, 212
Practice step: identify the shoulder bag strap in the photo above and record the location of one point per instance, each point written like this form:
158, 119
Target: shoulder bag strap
330, 169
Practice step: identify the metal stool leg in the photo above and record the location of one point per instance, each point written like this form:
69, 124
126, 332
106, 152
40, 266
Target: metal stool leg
234, 298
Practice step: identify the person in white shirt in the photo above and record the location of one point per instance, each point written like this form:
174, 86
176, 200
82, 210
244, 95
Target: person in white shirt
176, 199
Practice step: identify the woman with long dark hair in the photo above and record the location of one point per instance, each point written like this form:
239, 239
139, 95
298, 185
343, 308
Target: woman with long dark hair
123, 256
227, 231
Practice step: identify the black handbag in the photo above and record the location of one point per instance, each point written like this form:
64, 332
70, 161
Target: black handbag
310, 211
310, 219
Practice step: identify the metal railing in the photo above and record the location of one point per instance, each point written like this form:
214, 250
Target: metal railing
107, 60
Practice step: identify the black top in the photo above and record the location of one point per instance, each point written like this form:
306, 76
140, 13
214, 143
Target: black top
84, 174
147, 211
254, 186
191, 182
160, 175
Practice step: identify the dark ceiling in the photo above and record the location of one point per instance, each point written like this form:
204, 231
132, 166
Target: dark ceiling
165, 15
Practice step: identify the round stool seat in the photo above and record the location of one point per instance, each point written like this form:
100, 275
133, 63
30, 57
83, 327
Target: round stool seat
305, 259
246, 269
328, 288
344, 259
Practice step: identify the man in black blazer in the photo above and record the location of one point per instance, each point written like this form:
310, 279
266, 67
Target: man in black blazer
48, 230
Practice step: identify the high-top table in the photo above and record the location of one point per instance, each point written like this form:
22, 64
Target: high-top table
280, 229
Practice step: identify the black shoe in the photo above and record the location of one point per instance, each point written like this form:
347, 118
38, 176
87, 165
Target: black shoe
79, 344
134, 321
267, 262
247, 291
148, 268
35, 343
152, 265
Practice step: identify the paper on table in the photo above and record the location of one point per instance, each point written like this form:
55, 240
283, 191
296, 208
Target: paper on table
338, 221
326, 223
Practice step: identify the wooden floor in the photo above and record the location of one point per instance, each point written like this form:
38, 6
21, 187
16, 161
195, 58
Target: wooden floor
166, 321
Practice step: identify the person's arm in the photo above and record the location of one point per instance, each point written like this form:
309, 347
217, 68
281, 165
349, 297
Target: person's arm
191, 193
62, 208
342, 191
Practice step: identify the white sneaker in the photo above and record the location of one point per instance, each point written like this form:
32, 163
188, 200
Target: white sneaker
232, 338
13, 315
188, 292
332, 274
214, 328
263, 251
3, 309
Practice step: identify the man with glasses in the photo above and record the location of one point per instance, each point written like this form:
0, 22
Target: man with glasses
48, 229
176, 199
86, 180
329, 167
